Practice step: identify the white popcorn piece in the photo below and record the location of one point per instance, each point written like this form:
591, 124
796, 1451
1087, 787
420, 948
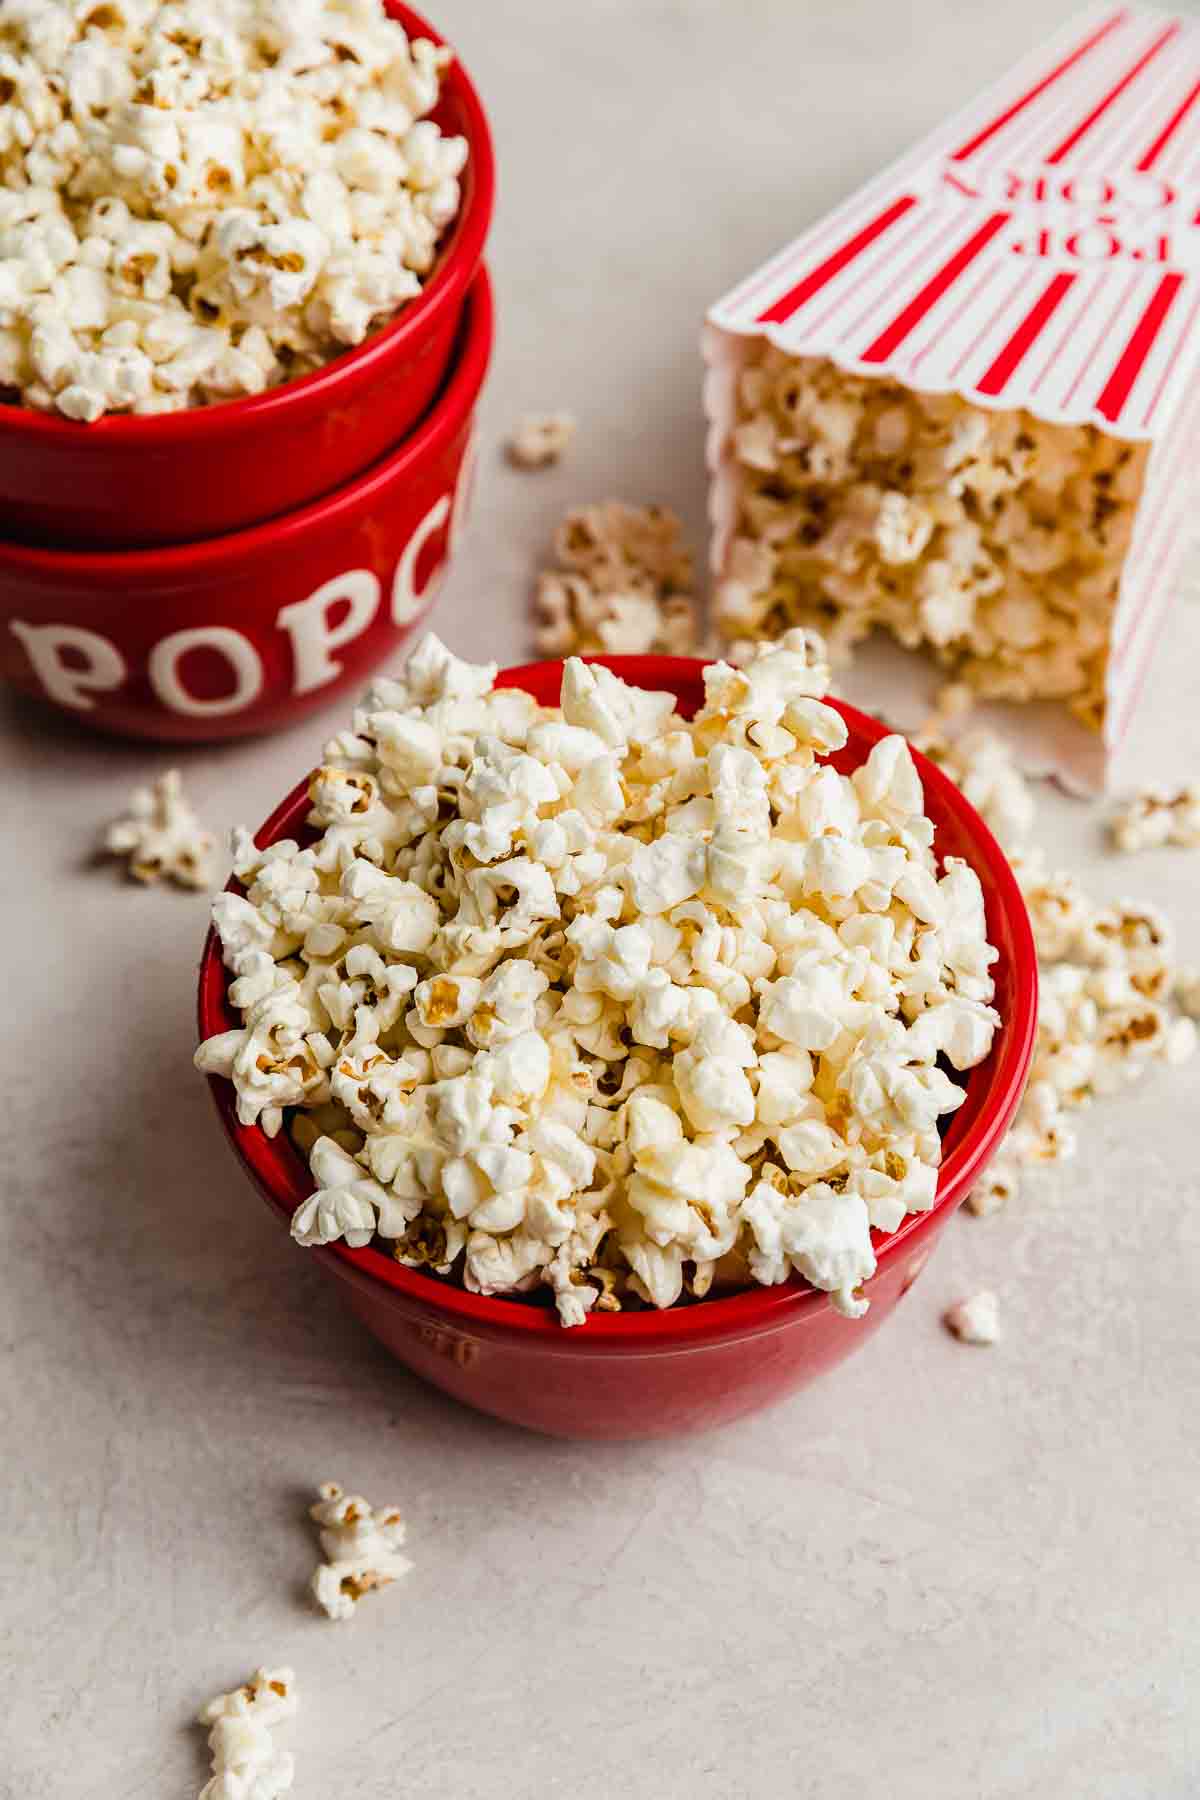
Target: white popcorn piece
161, 836
975, 1320
623, 587
998, 1187
245, 1762
591, 1004
1158, 816
361, 1546
209, 203
995, 538
540, 439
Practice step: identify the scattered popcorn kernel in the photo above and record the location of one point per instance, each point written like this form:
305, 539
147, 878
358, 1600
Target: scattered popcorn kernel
623, 587
540, 439
162, 837
361, 1545
594, 1005
1157, 817
975, 1320
204, 202
994, 1192
994, 538
245, 1763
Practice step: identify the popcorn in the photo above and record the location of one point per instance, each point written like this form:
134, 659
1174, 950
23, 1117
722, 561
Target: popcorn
361, 1545
245, 1762
162, 837
624, 587
1157, 816
1107, 978
995, 538
998, 1187
975, 1320
540, 439
204, 207
597, 1004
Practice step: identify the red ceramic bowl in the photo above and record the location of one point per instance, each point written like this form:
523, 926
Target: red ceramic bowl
244, 633
650, 1374
175, 477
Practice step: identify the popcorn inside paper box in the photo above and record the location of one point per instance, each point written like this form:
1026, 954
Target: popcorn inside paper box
962, 406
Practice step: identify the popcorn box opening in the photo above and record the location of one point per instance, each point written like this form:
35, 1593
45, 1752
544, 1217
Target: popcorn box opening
962, 406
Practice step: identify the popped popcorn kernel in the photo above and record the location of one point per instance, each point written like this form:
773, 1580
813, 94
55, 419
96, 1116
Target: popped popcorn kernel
996, 1190
540, 439
202, 203
162, 838
975, 1320
623, 587
361, 1546
245, 1762
1155, 817
996, 539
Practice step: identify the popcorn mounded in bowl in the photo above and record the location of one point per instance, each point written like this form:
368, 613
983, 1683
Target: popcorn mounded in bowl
596, 1000
199, 201
995, 538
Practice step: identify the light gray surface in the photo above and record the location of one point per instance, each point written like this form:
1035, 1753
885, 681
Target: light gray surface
946, 1573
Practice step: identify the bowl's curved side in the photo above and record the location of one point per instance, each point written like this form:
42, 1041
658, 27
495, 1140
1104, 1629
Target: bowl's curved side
175, 477
463, 1333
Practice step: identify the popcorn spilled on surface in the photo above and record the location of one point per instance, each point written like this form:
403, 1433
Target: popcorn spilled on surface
1158, 816
975, 1320
995, 538
624, 587
540, 439
1107, 976
245, 1763
162, 837
203, 202
361, 1546
606, 1003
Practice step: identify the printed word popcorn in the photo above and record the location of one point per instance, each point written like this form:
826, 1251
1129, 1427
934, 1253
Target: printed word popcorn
593, 1000
623, 587
162, 837
203, 199
1112, 1003
993, 537
361, 1545
245, 1763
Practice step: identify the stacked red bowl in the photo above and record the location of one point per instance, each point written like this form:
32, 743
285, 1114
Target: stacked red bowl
221, 571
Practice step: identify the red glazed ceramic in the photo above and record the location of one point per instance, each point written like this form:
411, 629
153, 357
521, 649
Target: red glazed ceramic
245, 633
175, 477
650, 1374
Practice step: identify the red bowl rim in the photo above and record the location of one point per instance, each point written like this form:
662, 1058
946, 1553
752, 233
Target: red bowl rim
161, 561
279, 1174
449, 279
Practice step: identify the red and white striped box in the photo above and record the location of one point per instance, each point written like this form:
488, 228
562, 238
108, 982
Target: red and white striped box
1040, 250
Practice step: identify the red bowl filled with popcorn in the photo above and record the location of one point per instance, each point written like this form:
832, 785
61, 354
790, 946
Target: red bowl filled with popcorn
688, 1132
245, 633
252, 291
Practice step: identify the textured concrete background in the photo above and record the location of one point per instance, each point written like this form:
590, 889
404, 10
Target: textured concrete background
945, 1574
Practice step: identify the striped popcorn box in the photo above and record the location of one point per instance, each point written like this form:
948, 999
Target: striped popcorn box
963, 406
